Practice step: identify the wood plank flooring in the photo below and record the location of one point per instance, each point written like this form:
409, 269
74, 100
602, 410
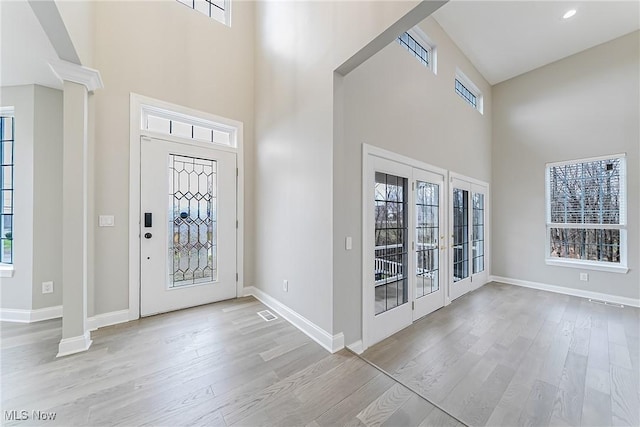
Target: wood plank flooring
219, 364
510, 356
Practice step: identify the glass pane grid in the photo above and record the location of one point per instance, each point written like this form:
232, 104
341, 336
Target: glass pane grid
466, 94
478, 232
416, 49
192, 221
207, 7
460, 234
427, 232
186, 130
390, 257
6, 188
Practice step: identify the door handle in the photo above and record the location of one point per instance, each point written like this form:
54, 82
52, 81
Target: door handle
148, 220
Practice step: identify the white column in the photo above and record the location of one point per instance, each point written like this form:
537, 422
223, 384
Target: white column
78, 82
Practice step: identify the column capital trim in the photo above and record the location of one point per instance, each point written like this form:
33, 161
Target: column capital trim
71, 72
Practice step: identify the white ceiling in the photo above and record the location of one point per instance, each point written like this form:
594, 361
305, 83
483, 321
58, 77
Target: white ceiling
26, 50
504, 39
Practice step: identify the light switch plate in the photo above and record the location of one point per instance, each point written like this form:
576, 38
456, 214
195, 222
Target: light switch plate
106, 221
47, 287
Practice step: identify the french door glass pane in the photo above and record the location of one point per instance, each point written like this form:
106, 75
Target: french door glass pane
460, 234
478, 232
192, 221
390, 252
427, 232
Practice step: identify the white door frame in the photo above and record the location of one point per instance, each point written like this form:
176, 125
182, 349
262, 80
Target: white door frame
475, 185
137, 103
368, 152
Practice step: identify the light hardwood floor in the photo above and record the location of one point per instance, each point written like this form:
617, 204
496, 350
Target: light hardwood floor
507, 355
219, 364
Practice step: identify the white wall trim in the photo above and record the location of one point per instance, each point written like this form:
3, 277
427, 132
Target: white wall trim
567, 291
107, 319
331, 343
74, 345
30, 316
136, 104
356, 347
71, 72
6, 270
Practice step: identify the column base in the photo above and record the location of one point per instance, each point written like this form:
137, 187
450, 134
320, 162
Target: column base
74, 345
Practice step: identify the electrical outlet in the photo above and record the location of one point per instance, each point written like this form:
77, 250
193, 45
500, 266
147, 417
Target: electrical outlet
285, 286
584, 277
47, 287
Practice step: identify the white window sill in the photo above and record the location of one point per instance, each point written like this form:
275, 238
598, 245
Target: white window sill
6, 270
588, 265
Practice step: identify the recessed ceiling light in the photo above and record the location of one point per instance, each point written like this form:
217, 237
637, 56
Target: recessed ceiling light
569, 14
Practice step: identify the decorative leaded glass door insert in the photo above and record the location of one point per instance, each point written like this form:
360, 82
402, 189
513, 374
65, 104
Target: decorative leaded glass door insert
192, 221
188, 225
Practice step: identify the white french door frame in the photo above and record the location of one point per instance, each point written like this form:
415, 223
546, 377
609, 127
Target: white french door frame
369, 152
476, 280
137, 103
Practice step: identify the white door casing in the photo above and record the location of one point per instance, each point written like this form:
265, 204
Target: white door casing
205, 268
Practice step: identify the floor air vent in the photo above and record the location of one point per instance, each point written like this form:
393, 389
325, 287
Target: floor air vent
597, 301
267, 315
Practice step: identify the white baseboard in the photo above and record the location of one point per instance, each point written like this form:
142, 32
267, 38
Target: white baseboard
356, 347
330, 342
74, 345
29, 316
568, 291
107, 319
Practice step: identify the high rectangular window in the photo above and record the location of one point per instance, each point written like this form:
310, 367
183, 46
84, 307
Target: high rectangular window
466, 94
420, 52
216, 9
6, 188
586, 213
416, 42
468, 91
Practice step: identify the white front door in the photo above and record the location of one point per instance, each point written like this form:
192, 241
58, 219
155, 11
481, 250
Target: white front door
187, 226
429, 233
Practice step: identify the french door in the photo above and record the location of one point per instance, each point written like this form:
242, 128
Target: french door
404, 240
429, 238
187, 226
467, 244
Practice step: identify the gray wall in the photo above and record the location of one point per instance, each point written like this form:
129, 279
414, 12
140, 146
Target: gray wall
47, 196
582, 106
298, 47
393, 102
38, 197
166, 51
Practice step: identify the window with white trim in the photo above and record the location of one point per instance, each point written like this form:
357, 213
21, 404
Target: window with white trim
586, 213
468, 91
6, 185
216, 9
183, 126
416, 42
